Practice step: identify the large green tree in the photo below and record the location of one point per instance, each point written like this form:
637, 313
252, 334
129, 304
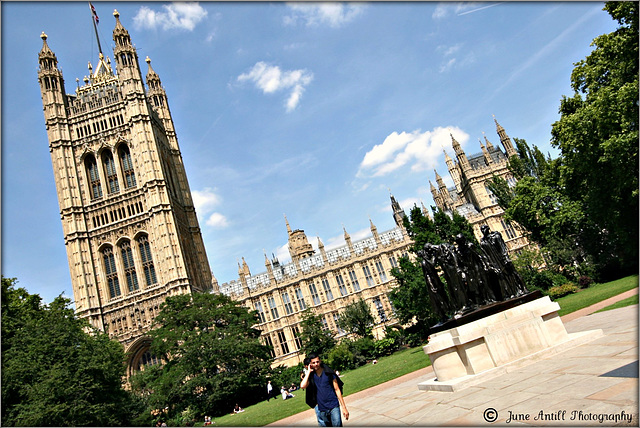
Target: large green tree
313, 337
356, 318
597, 135
212, 356
56, 369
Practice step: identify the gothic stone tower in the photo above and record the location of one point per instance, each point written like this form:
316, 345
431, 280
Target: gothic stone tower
129, 222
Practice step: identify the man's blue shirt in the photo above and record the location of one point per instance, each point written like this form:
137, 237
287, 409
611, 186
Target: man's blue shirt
327, 398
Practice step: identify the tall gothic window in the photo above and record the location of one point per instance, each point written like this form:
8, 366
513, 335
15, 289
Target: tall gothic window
301, 303
354, 280
110, 172
283, 342
341, 286
381, 272
273, 308
380, 308
147, 261
368, 276
314, 294
327, 289
110, 271
129, 266
288, 308
94, 178
127, 167
260, 311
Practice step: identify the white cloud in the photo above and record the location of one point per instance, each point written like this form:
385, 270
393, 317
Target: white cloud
205, 200
415, 150
315, 14
270, 79
182, 16
217, 220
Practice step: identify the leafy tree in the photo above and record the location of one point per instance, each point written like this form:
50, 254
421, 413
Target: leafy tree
313, 337
356, 318
53, 372
597, 135
211, 356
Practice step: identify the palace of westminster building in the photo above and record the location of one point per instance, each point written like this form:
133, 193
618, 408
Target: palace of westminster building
132, 236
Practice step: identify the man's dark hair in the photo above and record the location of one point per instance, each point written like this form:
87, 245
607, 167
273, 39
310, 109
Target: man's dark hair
312, 355
306, 361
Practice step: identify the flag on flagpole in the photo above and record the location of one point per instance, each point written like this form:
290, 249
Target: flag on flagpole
93, 12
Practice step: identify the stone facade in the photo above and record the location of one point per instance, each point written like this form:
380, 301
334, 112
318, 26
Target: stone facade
129, 222
326, 281
470, 195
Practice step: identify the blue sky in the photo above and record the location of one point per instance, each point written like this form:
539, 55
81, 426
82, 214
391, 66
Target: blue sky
315, 111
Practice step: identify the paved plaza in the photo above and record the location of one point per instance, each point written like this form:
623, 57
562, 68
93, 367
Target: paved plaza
594, 384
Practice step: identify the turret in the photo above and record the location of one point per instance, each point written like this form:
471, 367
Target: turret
299, 246
463, 162
54, 99
374, 232
485, 154
322, 251
454, 171
398, 213
447, 200
126, 58
347, 239
504, 139
437, 198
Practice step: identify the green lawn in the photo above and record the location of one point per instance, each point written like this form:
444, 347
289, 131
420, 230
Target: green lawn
633, 300
595, 294
403, 362
388, 368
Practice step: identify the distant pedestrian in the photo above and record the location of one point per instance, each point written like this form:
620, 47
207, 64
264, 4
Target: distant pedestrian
270, 391
324, 393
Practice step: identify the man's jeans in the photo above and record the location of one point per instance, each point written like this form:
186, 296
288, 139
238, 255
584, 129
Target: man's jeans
330, 418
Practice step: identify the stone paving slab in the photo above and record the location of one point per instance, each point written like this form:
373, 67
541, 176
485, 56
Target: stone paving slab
571, 381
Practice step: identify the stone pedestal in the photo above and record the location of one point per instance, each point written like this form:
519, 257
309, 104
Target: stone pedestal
493, 344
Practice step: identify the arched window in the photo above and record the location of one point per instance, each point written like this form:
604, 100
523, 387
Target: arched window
147, 261
110, 270
129, 266
127, 167
95, 187
147, 359
110, 172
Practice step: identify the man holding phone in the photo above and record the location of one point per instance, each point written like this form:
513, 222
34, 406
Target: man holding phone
324, 393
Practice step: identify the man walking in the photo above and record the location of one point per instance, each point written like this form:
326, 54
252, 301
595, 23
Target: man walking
324, 393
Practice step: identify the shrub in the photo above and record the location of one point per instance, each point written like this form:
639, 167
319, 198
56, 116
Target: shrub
562, 290
585, 281
397, 334
340, 357
363, 349
385, 346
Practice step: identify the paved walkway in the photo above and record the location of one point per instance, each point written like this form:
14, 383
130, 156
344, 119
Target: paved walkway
592, 384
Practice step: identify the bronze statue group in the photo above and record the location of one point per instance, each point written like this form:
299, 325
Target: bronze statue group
474, 276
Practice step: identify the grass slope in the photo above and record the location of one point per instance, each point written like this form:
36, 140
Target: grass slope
387, 368
595, 294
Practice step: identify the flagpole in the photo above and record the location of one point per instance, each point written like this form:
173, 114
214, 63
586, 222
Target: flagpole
94, 18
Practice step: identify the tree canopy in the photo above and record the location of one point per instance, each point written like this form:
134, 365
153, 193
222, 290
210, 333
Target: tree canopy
211, 356
597, 135
56, 369
356, 318
314, 338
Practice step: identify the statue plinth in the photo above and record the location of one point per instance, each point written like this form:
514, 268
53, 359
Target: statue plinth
488, 341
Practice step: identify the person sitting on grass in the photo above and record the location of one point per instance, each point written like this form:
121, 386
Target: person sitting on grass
285, 394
